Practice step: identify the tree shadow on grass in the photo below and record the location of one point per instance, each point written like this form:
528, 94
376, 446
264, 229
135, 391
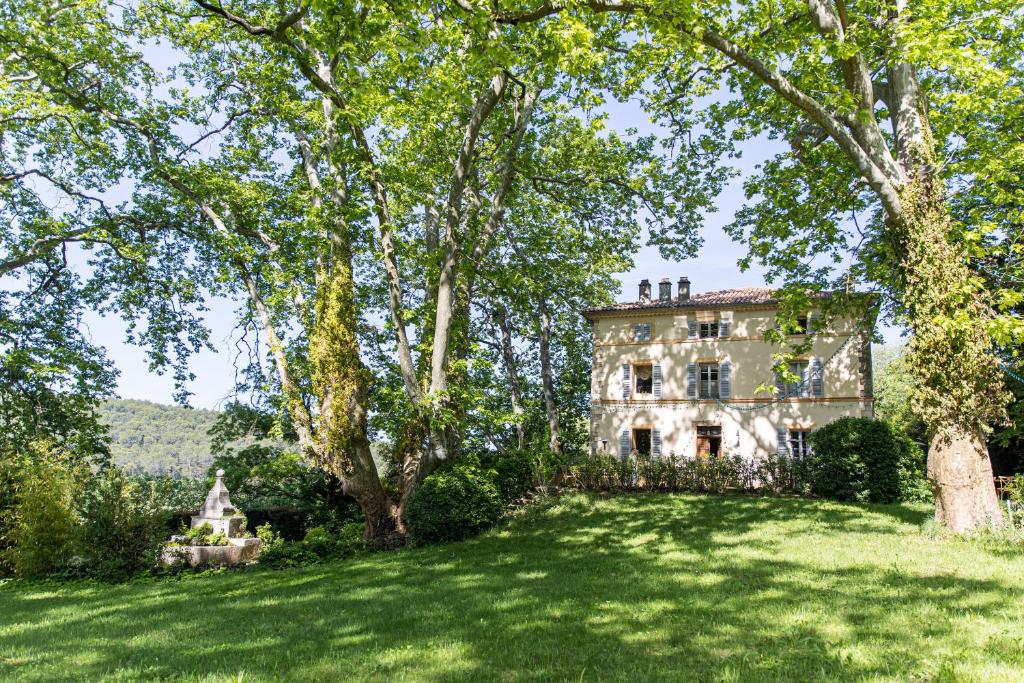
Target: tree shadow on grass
631, 588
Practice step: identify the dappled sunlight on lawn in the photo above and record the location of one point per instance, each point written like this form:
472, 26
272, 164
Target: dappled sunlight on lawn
640, 587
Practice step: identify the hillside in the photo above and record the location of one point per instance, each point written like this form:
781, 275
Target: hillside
591, 588
159, 439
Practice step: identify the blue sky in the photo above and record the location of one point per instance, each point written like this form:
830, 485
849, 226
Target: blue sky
715, 267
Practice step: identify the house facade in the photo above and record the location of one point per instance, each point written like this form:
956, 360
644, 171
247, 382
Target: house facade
679, 374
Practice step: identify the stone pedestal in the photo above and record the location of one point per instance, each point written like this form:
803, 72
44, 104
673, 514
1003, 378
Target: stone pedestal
222, 516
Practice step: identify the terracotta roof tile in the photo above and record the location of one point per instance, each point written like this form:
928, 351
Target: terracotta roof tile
725, 297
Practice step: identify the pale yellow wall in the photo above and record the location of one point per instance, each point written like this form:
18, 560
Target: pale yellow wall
750, 433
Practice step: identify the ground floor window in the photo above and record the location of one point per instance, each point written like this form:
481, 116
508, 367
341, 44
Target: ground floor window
799, 442
642, 441
709, 441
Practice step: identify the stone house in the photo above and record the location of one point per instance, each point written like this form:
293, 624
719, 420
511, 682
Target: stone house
680, 375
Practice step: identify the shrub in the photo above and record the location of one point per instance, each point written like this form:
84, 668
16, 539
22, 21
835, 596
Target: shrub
319, 545
40, 525
122, 525
513, 472
864, 460
453, 505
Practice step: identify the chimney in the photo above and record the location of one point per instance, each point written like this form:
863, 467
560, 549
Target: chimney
665, 290
684, 289
645, 291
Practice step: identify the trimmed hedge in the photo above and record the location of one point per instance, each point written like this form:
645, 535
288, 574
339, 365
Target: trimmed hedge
453, 505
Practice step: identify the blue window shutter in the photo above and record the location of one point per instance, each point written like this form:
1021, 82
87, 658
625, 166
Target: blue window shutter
783, 445
691, 380
780, 386
812, 323
817, 378
626, 388
723, 328
656, 382
656, 443
725, 379
692, 331
625, 443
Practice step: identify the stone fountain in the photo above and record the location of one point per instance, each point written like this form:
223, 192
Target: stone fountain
222, 516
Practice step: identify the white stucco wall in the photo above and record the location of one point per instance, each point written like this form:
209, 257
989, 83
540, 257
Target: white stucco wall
751, 433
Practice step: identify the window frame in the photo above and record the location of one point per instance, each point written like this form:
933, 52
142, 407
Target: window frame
792, 390
802, 448
636, 377
702, 324
709, 395
633, 441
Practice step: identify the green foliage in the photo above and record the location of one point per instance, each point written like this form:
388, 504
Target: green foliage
268, 537
864, 460
452, 505
153, 439
122, 525
1015, 489
319, 545
514, 472
39, 525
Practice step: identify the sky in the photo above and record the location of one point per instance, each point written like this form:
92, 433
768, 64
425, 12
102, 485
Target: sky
715, 267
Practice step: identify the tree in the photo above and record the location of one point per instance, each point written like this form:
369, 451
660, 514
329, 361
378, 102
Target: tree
886, 107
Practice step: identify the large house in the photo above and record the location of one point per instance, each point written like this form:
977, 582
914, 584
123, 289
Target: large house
680, 375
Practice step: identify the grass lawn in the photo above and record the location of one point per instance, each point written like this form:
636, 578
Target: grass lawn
654, 587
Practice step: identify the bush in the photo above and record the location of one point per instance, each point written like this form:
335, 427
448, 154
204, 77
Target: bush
40, 525
122, 525
863, 460
513, 472
453, 505
319, 545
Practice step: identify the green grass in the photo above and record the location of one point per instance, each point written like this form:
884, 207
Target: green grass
630, 588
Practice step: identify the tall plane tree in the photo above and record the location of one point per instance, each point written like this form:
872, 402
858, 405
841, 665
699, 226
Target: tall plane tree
886, 106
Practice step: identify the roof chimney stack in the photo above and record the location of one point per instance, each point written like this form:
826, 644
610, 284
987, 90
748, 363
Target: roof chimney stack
665, 290
645, 291
684, 289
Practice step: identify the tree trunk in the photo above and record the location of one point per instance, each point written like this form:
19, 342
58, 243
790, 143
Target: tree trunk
960, 472
548, 382
509, 357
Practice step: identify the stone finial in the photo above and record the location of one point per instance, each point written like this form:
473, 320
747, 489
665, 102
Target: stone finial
218, 503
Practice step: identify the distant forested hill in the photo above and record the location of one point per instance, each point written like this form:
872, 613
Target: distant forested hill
159, 439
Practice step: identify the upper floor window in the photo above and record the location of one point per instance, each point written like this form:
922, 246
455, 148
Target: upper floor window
641, 331
801, 324
709, 380
799, 442
708, 329
644, 380
802, 388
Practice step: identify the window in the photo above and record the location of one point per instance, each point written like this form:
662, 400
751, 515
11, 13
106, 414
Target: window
709, 380
644, 380
642, 441
641, 331
708, 330
801, 324
709, 441
802, 388
799, 445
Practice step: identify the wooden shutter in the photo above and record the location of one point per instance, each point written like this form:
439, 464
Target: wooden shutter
812, 323
626, 388
656, 382
656, 443
625, 443
817, 371
725, 379
691, 380
723, 328
692, 329
780, 386
783, 445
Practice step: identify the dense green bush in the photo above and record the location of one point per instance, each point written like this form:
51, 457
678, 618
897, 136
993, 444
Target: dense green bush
513, 472
319, 545
39, 526
453, 505
122, 525
604, 472
864, 460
